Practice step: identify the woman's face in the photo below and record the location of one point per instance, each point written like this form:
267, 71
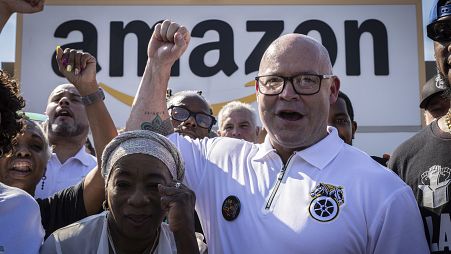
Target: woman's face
25, 165
133, 197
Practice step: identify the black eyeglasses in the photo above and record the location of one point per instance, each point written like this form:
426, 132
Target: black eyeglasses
303, 84
182, 114
440, 31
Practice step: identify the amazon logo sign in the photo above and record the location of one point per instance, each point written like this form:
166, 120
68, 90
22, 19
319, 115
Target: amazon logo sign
366, 43
269, 30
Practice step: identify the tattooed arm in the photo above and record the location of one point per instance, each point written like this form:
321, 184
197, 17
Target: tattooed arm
168, 42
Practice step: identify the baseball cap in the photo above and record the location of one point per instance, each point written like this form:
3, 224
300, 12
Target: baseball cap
439, 30
429, 90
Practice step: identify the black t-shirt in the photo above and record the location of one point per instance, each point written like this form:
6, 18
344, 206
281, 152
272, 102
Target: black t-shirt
424, 163
62, 209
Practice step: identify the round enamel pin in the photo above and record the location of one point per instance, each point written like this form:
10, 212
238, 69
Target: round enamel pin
231, 208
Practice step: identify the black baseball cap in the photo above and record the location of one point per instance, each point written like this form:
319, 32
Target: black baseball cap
439, 30
429, 89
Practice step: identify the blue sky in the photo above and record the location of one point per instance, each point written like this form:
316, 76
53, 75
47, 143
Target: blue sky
8, 37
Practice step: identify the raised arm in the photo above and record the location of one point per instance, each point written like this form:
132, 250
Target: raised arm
8, 7
168, 42
80, 69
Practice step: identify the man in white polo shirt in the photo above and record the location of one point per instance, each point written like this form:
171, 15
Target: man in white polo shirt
303, 190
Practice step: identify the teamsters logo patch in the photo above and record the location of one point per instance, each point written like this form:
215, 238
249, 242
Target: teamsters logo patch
326, 202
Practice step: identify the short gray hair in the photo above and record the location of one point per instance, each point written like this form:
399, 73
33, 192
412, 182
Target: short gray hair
227, 109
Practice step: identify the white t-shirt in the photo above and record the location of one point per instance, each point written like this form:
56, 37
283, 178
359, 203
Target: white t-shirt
20, 222
61, 176
332, 198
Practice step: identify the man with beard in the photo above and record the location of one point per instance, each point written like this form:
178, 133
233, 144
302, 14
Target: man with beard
424, 161
67, 130
434, 102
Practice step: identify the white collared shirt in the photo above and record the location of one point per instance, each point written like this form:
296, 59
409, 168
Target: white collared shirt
366, 207
61, 176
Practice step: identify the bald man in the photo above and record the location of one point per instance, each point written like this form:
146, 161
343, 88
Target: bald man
67, 130
303, 190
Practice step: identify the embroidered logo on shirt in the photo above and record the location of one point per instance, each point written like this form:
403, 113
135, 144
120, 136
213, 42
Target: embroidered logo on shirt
435, 184
326, 202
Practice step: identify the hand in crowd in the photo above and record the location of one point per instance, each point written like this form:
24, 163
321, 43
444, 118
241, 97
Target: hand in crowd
169, 41
8, 7
22, 6
179, 203
79, 68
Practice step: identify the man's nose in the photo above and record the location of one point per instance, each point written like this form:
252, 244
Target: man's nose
288, 92
236, 132
64, 101
191, 121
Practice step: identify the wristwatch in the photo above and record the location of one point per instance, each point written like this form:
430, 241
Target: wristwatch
92, 98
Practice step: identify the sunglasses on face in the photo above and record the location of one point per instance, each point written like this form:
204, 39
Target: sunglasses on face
182, 114
440, 31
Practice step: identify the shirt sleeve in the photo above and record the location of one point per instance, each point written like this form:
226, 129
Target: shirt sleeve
398, 227
49, 246
20, 223
194, 153
63, 208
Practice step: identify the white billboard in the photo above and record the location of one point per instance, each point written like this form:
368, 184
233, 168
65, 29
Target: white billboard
375, 49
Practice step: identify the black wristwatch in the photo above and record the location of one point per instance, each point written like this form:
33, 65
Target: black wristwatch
92, 98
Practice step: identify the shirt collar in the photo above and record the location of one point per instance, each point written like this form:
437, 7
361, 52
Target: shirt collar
322, 153
82, 156
319, 155
264, 149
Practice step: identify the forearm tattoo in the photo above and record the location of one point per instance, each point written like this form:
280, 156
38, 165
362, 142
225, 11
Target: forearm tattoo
159, 126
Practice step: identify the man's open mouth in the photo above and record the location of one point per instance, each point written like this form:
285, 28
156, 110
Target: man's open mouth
290, 115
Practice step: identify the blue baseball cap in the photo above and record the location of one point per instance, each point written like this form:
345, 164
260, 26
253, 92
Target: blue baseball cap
437, 30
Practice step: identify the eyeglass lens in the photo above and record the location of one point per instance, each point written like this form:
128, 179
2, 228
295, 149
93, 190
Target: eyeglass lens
303, 84
182, 114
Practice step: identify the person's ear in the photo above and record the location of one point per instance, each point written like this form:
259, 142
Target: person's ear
354, 128
334, 89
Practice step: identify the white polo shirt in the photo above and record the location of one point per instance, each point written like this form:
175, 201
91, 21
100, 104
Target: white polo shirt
61, 176
20, 222
332, 198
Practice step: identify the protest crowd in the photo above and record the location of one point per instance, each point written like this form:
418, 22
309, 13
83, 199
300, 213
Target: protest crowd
170, 182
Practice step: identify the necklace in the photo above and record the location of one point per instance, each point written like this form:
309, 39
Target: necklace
448, 120
152, 249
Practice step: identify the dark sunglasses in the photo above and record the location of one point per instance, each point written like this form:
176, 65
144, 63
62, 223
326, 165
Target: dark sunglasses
440, 31
182, 114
